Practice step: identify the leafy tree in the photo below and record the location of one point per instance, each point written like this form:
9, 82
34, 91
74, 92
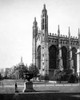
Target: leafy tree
18, 72
21, 70
33, 70
73, 78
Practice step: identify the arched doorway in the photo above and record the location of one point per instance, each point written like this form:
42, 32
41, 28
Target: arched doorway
52, 57
64, 57
39, 57
74, 57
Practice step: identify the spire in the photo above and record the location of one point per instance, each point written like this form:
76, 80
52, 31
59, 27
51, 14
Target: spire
44, 11
58, 30
21, 59
44, 6
69, 36
21, 62
35, 22
44, 19
35, 27
35, 19
69, 32
58, 34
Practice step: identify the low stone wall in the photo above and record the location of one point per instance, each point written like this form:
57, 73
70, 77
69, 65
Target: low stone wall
40, 96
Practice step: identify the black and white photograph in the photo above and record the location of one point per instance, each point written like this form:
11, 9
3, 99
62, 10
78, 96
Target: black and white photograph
39, 49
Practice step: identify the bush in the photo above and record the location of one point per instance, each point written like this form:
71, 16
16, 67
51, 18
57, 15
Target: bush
46, 77
57, 75
73, 78
65, 75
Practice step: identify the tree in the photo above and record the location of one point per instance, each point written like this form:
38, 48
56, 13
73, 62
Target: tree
22, 69
73, 78
18, 71
33, 70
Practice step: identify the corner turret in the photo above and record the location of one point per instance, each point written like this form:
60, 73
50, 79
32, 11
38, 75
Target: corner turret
35, 32
44, 20
35, 28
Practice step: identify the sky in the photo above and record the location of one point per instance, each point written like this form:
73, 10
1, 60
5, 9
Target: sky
16, 21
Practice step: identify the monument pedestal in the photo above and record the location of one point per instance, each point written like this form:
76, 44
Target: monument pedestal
28, 87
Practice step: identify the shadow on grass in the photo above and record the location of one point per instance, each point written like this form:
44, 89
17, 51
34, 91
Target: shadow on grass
40, 96
45, 96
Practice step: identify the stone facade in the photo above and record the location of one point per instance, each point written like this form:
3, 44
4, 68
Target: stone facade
53, 51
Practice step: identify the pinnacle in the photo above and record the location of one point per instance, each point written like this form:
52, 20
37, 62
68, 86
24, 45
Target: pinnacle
69, 31
58, 29
44, 6
34, 22
34, 19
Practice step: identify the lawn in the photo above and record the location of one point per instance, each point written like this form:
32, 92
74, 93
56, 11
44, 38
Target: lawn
12, 82
8, 86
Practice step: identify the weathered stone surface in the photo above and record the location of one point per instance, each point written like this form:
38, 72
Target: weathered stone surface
56, 51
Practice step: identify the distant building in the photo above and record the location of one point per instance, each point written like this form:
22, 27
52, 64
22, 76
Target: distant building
53, 51
7, 72
2, 71
21, 62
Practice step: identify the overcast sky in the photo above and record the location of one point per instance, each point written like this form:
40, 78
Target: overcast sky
16, 20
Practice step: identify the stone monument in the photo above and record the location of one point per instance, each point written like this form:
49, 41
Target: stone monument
28, 85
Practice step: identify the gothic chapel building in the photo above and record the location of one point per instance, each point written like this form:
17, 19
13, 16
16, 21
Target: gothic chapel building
53, 51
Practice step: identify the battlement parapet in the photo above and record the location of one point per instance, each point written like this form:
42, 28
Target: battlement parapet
65, 36
52, 34
73, 37
62, 36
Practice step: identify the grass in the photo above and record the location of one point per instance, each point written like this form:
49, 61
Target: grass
8, 86
12, 82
